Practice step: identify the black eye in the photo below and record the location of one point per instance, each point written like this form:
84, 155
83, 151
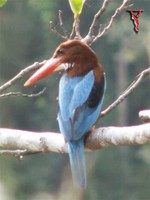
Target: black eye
61, 51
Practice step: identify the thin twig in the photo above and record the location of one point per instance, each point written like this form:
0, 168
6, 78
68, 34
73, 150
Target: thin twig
75, 29
91, 37
62, 25
23, 95
60, 18
17, 153
97, 18
128, 6
100, 34
53, 29
21, 74
133, 85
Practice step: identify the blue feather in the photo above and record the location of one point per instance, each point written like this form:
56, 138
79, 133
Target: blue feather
77, 162
73, 93
76, 117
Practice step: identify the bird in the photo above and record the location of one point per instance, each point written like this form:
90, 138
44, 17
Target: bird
81, 93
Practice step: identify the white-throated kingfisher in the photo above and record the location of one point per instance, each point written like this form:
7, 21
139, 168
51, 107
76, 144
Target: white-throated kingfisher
81, 92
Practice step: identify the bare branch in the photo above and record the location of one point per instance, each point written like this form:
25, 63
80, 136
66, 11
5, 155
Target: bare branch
118, 136
23, 95
90, 38
100, 34
144, 115
31, 141
75, 33
53, 29
97, 18
17, 153
77, 29
62, 25
60, 19
21, 74
128, 6
133, 85
54, 142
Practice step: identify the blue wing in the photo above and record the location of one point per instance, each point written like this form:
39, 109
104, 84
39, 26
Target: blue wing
76, 115
80, 101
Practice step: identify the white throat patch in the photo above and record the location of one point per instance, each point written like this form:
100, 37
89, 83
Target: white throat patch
67, 66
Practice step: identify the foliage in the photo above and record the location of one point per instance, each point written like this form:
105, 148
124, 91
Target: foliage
2, 2
76, 6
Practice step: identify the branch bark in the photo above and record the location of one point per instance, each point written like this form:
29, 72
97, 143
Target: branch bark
32, 142
144, 115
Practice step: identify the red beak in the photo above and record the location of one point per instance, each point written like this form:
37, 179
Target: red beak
48, 68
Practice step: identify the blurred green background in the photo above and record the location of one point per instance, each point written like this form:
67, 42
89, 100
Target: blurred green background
113, 173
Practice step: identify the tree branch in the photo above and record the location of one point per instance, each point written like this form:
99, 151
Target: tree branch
100, 34
97, 18
54, 30
62, 26
139, 78
90, 37
144, 115
33, 142
23, 95
21, 74
75, 33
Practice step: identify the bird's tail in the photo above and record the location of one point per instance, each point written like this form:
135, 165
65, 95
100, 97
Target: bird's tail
77, 162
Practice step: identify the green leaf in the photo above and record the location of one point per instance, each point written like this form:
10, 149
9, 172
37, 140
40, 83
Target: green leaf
2, 2
76, 6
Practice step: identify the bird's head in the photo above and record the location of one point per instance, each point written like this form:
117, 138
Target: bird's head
75, 57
